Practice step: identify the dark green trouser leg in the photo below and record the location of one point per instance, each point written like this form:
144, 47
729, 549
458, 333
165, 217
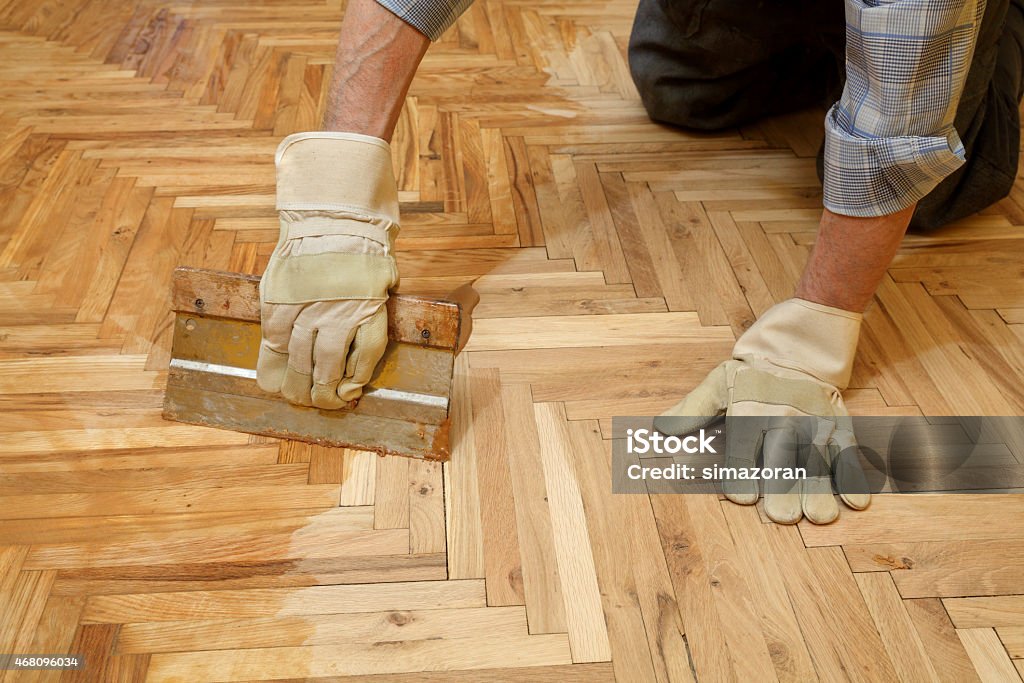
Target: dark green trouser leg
712, 64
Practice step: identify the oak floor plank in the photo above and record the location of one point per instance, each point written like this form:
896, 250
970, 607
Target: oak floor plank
167, 501
167, 434
327, 466
283, 602
998, 611
925, 517
778, 620
819, 583
944, 648
180, 526
906, 651
583, 331
944, 569
542, 585
655, 592
479, 652
588, 633
359, 475
687, 567
65, 461
391, 493
53, 634
611, 552
1013, 640
99, 481
988, 655
287, 573
426, 508
464, 529
324, 629
95, 642
569, 673
501, 542
317, 543
24, 602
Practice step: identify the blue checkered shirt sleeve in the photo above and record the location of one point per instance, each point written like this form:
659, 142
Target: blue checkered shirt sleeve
431, 17
890, 139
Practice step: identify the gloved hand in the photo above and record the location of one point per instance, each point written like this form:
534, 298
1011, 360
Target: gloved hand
323, 295
786, 376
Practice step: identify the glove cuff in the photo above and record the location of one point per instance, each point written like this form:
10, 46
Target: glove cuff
818, 340
340, 172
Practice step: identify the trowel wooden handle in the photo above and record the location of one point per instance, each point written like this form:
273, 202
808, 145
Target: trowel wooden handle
411, 319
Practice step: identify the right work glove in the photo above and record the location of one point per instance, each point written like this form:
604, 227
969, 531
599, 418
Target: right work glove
785, 380
323, 295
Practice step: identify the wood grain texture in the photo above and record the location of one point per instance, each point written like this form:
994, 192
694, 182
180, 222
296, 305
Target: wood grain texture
616, 259
944, 648
988, 655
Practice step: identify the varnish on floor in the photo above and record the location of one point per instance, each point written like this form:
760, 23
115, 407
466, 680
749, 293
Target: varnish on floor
617, 260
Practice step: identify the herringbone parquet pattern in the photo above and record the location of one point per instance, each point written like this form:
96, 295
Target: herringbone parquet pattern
617, 260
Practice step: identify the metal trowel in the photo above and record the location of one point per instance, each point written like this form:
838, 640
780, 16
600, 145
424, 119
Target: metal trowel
404, 409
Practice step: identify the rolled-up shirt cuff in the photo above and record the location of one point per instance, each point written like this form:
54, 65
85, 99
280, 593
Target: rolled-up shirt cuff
866, 176
431, 17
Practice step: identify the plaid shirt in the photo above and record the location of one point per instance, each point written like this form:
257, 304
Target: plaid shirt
890, 139
431, 17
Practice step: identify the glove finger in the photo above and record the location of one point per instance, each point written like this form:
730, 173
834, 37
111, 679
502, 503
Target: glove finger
275, 334
298, 376
781, 496
743, 444
698, 408
847, 472
819, 503
371, 339
329, 351
270, 369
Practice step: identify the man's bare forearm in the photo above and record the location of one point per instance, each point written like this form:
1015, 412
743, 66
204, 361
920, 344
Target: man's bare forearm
850, 258
377, 57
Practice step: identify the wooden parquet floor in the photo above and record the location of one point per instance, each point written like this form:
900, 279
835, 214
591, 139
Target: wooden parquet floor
617, 261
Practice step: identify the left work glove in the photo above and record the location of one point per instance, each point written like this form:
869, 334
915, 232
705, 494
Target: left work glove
787, 369
323, 295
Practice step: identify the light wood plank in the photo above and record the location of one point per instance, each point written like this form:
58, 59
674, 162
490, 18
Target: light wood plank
167, 501
283, 602
944, 569
605, 330
542, 586
963, 517
462, 500
426, 508
987, 655
1004, 610
502, 562
320, 629
940, 640
478, 652
359, 472
588, 634
906, 651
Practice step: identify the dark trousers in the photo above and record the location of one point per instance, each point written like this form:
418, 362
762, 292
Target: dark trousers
713, 64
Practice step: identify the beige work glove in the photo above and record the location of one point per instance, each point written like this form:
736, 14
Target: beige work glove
323, 295
785, 378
